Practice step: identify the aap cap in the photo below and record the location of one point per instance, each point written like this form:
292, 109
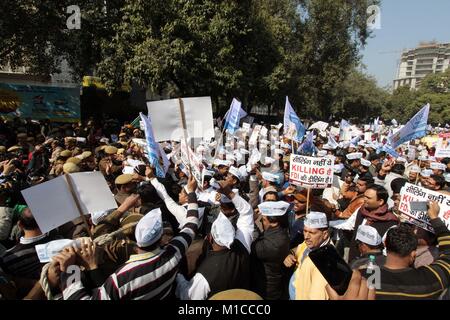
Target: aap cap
415, 169
354, 156
438, 166
401, 159
322, 153
423, 158
369, 235
316, 220
223, 231
149, 229
337, 168
235, 172
286, 146
219, 162
447, 177
243, 171
270, 176
426, 173
365, 163
274, 209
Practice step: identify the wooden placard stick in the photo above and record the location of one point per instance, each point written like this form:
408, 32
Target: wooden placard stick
77, 202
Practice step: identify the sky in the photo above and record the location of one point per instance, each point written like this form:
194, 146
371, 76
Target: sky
404, 23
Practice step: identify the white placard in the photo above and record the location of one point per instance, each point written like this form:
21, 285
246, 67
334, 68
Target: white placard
52, 203
263, 132
254, 137
320, 125
411, 193
443, 146
311, 172
334, 131
167, 123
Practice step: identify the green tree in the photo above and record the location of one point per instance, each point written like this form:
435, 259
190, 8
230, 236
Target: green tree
361, 98
401, 105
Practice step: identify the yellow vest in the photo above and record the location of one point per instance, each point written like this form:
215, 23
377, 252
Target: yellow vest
308, 281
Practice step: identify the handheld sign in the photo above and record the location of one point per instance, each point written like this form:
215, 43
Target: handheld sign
316, 173
410, 194
167, 118
443, 146
58, 201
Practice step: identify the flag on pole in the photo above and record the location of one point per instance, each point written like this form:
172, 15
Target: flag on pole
233, 116
388, 149
415, 128
308, 147
290, 117
153, 150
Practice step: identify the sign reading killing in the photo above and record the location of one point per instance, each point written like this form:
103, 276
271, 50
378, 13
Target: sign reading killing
311, 172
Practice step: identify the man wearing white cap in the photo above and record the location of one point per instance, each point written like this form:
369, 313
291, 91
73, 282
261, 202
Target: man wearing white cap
227, 262
369, 244
222, 169
286, 147
364, 168
307, 283
352, 164
269, 251
438, 168
140, 278
413, 172
268, 181
234, 177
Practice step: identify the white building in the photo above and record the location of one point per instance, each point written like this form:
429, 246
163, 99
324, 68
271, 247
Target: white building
20, 75
415, 64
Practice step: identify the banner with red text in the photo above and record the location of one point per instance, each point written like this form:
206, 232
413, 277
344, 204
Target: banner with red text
310, 172
411, 192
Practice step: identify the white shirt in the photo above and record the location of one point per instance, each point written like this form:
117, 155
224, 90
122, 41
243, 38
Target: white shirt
178, 211
198, 287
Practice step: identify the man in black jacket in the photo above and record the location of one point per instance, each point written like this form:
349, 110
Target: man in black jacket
269, 251
227, 263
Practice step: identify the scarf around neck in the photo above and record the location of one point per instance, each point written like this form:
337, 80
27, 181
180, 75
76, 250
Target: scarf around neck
381, 214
